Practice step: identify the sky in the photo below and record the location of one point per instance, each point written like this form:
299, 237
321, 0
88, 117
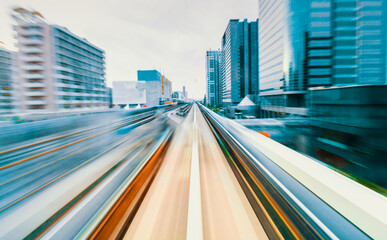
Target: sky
171, 36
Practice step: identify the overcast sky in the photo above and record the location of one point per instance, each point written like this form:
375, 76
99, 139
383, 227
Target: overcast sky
168, 35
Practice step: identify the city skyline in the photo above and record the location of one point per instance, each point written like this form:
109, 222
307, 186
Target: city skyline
142, 25
207, 119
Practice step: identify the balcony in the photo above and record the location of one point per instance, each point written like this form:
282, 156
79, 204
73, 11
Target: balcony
36, 102
61, 76
33, 76
31, 41
35, 84
57, 67
35, 93
32, 67
31, 32
31, 49
2, 97
29, 58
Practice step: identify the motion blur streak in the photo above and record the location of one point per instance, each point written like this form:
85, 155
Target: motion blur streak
226, 212
44, 188
173, 173
164, 211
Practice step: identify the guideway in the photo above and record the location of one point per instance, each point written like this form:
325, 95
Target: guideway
195, 194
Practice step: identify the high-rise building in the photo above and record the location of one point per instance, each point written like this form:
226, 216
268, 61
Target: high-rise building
314, 43
7, 81
346, 42
326, 59
281, 55
360, 43
213, 71
57, 69
239, 61
185, 93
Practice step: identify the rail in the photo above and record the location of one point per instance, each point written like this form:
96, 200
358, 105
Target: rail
294, 196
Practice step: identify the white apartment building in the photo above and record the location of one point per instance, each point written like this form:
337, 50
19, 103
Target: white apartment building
57, 69
7, 81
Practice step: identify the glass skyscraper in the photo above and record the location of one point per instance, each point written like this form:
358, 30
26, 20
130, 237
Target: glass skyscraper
312, 43
213, 71
239, 61
282, 50
359, 42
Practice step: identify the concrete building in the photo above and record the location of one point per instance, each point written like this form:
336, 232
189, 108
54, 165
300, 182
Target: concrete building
129, 93
8, 94
58, 70
156, 76
151, 89
318, 43
239, 61
214, 78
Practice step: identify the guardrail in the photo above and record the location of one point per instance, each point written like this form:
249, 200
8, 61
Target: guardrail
300, 197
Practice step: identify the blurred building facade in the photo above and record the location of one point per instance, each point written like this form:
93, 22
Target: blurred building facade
239, 63
151, 89
214, 77
185, 93
161, 82
129, 93
58, 70
326, 60
8, 85
281, 56
318, 43
110, 96
178, 96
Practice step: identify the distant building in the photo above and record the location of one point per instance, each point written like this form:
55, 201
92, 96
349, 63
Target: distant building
245, 109
304, 44
129, 93
8, 92
214, 78
239, 61
110, 96
156, 76
151, 89
185, 93
178, 96
57, 69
